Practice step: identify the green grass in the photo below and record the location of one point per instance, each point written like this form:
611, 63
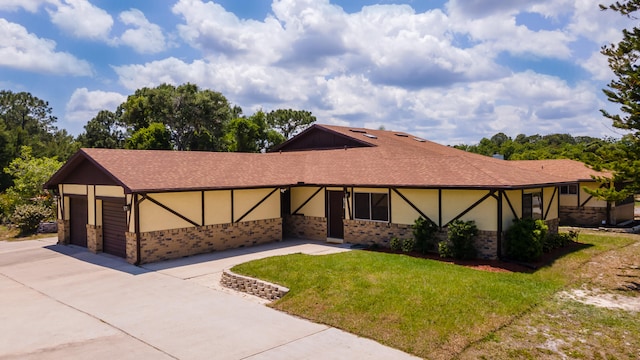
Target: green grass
425, 307
13, 234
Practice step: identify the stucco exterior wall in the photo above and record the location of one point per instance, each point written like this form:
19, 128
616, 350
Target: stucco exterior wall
424, 199
484, 214
244, 200
314, 207
217, 207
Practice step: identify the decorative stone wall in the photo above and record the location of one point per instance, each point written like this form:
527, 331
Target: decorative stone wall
131, 247
176, 243
94, 238
64, 231
374, 232
305, 227
252, 286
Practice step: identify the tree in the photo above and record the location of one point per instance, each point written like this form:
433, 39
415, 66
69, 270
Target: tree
624, 90
252, 134
103, 131
29, 175
289, 122
154, 137
192, 116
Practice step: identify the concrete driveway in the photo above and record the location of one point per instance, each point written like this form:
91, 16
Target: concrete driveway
65, 302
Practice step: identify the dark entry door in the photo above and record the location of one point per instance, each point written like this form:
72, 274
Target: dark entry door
79, 212
336, 214
114, 226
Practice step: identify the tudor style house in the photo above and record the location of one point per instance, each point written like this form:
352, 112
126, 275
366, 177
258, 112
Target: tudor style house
577, 207
328, 183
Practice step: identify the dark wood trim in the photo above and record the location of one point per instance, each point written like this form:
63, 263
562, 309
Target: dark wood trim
389, 209
131, 210
591, 196
411, 204
136, 206
440, 208
233, 214
490, 194
555, 191
258, 204
148, 197
500, 224
347, 196
95, 207
513, 211
307, 201
202, 205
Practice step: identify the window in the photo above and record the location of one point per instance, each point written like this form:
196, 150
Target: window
532, 206
371, 206
569, 189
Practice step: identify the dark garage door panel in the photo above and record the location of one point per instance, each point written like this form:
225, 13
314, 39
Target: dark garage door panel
78, 211
114, 226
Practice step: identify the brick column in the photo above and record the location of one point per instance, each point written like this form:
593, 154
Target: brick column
94, 238
64, 232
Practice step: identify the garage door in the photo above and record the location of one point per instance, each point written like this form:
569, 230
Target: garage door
114, 226
78, 210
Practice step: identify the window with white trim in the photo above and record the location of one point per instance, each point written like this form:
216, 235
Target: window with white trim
371, 206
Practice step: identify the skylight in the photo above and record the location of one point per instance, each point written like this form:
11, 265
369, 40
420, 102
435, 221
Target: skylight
419, 140
370, 136
358, 131
401, 135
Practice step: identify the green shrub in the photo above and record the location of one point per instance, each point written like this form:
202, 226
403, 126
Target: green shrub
395, 244
424, 234
445, 250
27, 217
555, 241
408, 244
461, 239
525, 239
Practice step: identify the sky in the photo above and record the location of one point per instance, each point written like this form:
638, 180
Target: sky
450, 71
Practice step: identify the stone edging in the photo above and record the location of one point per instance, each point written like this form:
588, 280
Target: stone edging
252, 286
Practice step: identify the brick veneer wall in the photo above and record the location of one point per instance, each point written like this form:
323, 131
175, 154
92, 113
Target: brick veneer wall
486, 244
64, 231
252, 286
94, 238
553, 225
131, 247
374, 232
586, 216
306, 227
176, 243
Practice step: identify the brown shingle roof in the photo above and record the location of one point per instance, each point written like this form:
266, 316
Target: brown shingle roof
571, 170
393, 160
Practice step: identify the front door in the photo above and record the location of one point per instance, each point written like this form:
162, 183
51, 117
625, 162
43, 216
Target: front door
336, 214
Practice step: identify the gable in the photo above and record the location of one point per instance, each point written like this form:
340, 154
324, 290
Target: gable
319, 138
80, 170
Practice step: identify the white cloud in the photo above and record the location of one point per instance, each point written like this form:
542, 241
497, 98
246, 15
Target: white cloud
146, 38
29, 5
82, 19
84, 105
22, 50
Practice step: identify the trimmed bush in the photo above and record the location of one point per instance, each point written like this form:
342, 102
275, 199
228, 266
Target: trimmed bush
525, 239
461, 235
395, 244
424, 234
408, 245
27, 217
555, 241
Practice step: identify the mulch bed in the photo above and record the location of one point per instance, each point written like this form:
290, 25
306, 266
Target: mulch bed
495, 265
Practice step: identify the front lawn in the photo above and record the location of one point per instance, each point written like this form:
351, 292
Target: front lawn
429, 308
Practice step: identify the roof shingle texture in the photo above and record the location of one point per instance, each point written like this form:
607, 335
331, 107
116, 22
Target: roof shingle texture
392, 160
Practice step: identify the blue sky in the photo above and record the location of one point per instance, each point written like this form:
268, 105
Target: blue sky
450, 71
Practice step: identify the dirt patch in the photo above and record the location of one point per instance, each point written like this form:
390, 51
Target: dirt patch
599, 298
